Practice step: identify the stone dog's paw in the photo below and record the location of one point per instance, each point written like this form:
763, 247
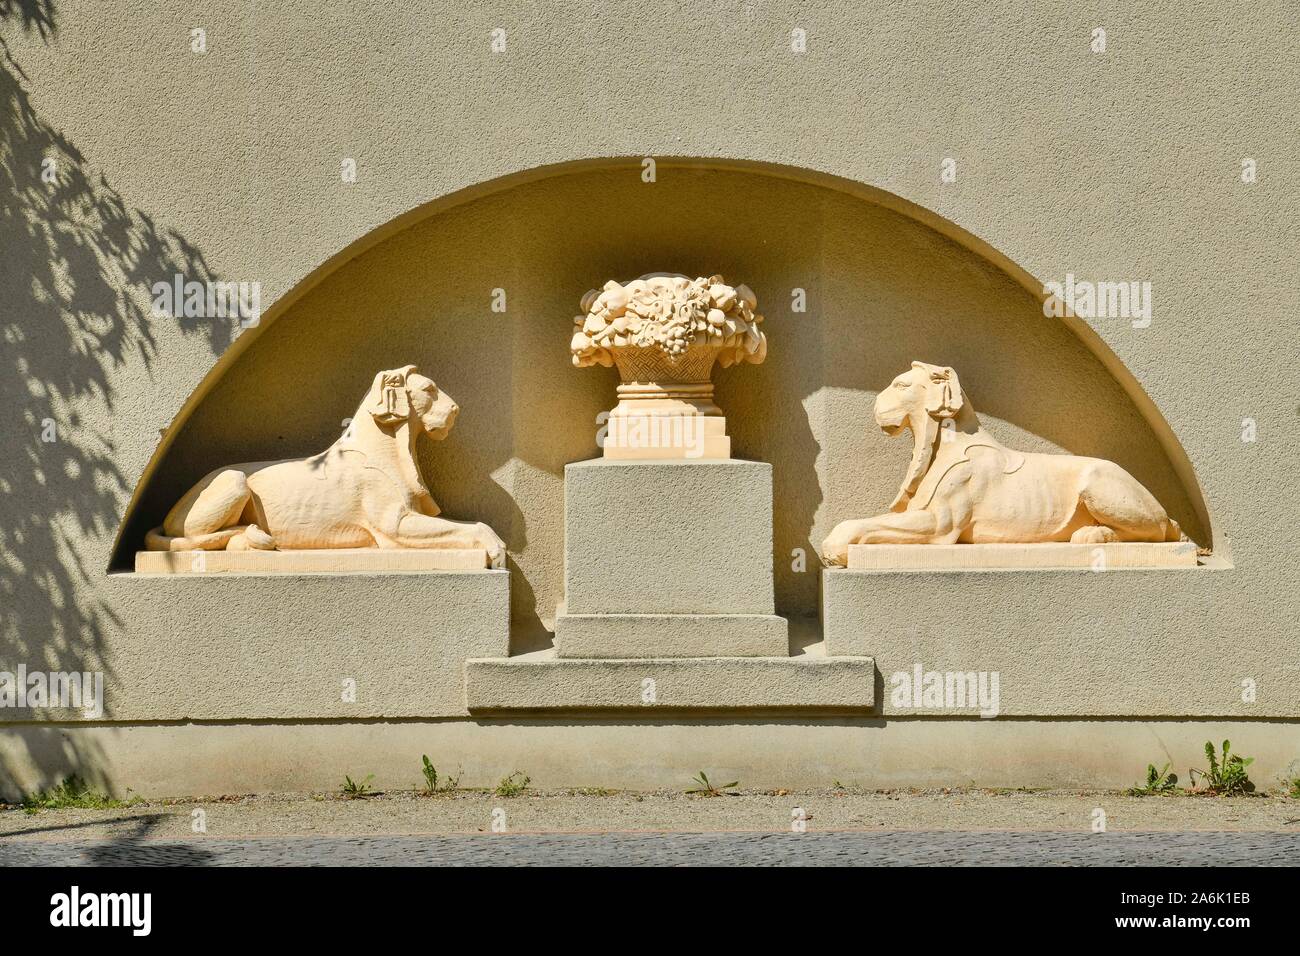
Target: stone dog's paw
835, 549
489, 541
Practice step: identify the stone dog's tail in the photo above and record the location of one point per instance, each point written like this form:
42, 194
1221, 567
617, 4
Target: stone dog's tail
242, 537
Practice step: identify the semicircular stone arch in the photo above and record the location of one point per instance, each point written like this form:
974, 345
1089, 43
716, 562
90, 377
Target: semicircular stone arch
884, 285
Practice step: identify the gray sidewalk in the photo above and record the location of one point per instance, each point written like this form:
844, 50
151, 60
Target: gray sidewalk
896, 848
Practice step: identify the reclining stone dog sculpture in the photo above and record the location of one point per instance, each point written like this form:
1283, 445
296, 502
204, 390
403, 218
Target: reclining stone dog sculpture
963, 486
364, 491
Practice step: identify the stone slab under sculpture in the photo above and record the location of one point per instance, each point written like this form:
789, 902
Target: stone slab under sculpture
964, 487
363, 492
664, 332
311, 561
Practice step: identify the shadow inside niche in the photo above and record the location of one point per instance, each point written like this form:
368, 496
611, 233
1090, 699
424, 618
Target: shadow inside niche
75, 276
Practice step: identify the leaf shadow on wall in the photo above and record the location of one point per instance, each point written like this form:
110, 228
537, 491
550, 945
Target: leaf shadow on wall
78, 262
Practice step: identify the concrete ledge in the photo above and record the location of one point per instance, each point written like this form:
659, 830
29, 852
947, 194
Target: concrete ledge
1050, 555
806, 684
670, 635
316, 560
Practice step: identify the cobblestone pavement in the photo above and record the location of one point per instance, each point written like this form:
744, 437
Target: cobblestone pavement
920, 848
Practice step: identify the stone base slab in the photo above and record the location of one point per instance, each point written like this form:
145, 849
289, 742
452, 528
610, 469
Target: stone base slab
670, 635
946, 557
313, 561
805, 684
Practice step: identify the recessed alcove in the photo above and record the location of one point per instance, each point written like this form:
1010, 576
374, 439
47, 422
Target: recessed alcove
884, 283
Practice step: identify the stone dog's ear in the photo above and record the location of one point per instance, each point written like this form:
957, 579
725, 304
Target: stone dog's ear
387, 401
944, 397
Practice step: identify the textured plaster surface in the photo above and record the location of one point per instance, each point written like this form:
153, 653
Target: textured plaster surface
1118, 166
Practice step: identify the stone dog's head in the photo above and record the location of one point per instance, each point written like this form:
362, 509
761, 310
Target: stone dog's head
404, 395
921, 395
919, 399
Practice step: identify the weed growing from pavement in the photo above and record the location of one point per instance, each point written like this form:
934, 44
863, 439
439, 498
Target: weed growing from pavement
433, 783
1226, 775
74, 794
705, 789
1158, 782
354, 789
512, 785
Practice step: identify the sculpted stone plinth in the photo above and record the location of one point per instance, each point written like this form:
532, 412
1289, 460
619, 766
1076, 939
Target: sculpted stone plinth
964, 486
664, 333
364, 491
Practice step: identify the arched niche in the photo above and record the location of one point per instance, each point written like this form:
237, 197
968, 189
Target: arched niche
885, 281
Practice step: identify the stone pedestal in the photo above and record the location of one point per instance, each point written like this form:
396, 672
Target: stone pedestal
668, 576
668, 559
350, 646
1041, 625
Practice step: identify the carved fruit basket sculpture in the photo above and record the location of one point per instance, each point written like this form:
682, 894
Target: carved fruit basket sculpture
664, 333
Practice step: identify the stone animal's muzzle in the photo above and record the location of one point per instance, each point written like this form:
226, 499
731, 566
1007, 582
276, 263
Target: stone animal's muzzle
438, 422
890, 416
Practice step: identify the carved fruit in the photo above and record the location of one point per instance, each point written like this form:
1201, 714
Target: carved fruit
615, 298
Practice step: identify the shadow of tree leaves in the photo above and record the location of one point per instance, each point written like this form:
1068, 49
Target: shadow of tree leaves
76, 271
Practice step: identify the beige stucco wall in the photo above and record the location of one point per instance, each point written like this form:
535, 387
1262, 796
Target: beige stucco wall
1123, 165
